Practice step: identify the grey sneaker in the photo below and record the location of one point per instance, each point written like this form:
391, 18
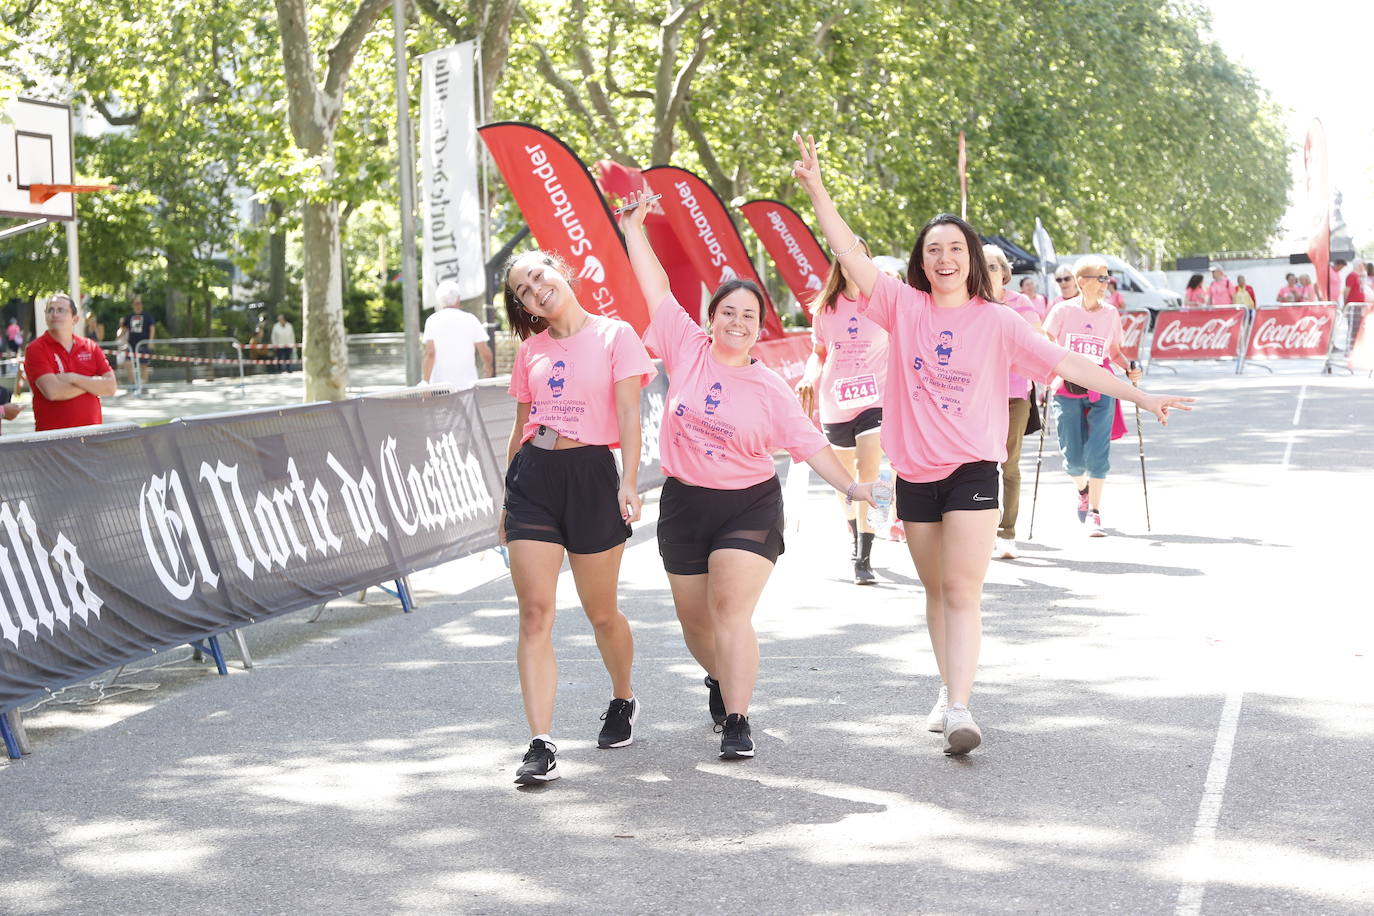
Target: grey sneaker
961, 732
935, 722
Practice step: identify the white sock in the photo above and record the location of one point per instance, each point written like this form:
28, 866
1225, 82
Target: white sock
545, 738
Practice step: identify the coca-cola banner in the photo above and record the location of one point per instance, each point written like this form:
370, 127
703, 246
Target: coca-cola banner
793, 247
1198, 334
567, 214
707, 234
205, 525
1133, 326
1291, 332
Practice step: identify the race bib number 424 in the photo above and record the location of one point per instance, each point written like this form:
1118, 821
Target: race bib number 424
856, 391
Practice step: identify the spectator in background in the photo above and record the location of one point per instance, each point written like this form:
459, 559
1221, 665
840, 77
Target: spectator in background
1028, 289
92, 329
1333, 281
1305, 289
1245, 294
69, 374
1195, 296
1221, 291
1289, 292
283, 344
1354, 285
1114, 298
450, 339
14, 336
1368, 281
134, 328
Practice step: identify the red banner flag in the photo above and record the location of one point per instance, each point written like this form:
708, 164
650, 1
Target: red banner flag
620, 181
793, 247
963, 177
1198, 334
1291, 332
1133, 325
567, 215
1319, 206
707, 233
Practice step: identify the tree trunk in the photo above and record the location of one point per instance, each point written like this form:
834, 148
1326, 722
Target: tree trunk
276, 259
325, 348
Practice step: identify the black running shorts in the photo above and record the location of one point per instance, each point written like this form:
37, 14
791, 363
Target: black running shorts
971, 486
565, 496
693, 521
846, 434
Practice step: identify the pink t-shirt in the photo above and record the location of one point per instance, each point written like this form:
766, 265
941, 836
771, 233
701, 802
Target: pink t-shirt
722, 422
1195, 295
854, 374
947, 378
569, 383
1018, 386
1222, 292
1289, 294
1091, 334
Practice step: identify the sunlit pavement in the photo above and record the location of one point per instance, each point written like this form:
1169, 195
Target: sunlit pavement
1179, 721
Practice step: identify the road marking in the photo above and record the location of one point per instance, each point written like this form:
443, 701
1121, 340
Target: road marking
1293, 433
1199, 861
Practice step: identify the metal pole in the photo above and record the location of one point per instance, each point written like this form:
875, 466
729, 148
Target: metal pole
405, 156
1140, 440
489, 305
74, 265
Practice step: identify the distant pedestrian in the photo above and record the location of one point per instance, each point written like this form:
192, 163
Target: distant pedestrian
134, 328
451, 337
69, 374
283, 344
1029, 290
92, 329
1194, 296
1289, 292
1245, 294
14, 336
1335, 287
1221, 291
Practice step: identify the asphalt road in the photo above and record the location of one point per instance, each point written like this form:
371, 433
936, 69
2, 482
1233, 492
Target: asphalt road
1177, 721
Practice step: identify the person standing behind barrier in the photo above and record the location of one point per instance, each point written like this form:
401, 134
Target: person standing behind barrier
1221, 291
849, 362
1194, 296
1114, 297
283, 344
1245, 293
69, 374
1289, 292
1083, 418
450, 337
1019, 404
134, 328
1354, 299
1306, 289
945, 421
576, 383
720, 526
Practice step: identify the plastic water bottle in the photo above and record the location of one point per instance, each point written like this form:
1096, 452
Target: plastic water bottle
882, 499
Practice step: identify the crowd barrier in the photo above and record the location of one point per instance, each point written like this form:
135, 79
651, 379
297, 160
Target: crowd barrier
1250, 336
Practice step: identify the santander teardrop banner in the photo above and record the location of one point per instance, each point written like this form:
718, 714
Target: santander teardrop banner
791, 244
707, 234
618, 182
567, 215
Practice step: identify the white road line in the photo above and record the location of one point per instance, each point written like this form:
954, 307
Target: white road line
1199, 861
1293, 433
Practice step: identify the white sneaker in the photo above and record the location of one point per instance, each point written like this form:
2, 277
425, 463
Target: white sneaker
961, 732
1005, 549
935, 722
1095, 529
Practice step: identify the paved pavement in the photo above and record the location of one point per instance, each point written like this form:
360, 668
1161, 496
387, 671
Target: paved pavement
1177, 721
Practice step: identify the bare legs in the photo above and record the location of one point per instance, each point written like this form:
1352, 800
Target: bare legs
1094, 485
951, 559
534, 567
862, 462
716, 612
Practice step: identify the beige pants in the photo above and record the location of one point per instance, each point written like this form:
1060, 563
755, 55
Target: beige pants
1018, 412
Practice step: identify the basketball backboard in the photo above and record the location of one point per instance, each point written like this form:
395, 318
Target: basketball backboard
35, 148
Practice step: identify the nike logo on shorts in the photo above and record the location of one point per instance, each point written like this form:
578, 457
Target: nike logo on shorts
982, 499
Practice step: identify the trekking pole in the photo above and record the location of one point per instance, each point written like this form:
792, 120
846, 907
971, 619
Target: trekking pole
1039, 456
1140, 439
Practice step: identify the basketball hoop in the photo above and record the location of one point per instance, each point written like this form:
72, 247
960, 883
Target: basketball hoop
42, 193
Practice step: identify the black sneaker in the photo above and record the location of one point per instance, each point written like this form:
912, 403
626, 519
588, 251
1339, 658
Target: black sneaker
620, 723
715, 702
735, 741
863, 573
540, 765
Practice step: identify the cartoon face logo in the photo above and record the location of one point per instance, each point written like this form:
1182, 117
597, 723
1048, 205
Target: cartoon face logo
945, 348
557, 380
854, 328
713, 398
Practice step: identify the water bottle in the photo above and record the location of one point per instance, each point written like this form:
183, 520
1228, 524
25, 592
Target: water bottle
882, 500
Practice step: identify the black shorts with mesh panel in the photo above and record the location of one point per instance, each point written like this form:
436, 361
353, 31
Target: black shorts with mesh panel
565, 496
693, 521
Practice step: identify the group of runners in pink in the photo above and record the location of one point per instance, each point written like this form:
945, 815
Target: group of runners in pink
927, 372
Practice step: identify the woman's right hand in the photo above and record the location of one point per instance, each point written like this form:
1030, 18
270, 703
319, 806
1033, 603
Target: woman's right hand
807, 169
632, 220
806, 393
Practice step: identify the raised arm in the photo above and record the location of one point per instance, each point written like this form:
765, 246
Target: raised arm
858, 266
653, 279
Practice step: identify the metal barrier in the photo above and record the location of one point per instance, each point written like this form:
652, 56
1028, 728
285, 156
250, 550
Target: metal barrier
144, 349
1288, 331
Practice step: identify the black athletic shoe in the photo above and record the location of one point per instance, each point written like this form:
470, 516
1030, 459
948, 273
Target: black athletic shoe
715, 701
863, 573
620, 724
735, 741
540, 765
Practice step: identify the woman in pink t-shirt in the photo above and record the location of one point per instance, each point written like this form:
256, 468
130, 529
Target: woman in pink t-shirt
576, 383
844, 377
945, 421
1083, 418
1028, 290
1194, 296
720, 513
1289, 292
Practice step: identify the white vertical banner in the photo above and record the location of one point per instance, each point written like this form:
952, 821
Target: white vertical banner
450, 207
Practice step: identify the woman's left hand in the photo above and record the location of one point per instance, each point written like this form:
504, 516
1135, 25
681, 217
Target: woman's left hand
630, 503
864, 493
1161, 404
1134, 375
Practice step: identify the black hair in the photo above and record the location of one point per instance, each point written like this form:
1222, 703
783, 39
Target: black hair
1195, 281
978, 283
522, 323
728, 287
